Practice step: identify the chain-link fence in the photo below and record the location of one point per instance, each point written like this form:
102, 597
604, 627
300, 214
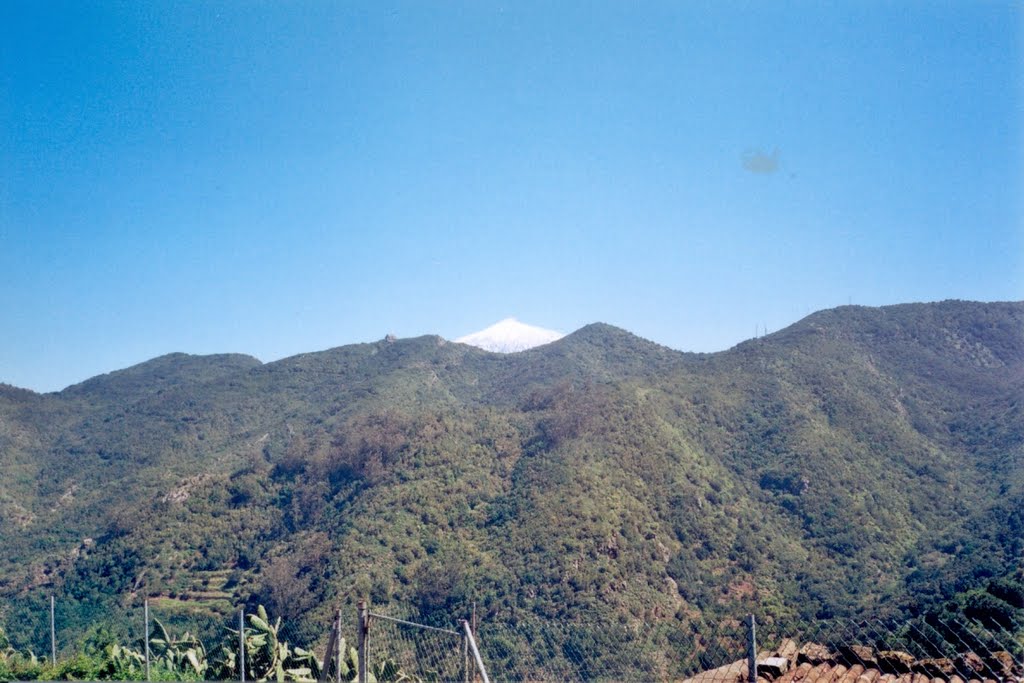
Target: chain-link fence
158, 639
38, 625
396, 648
937, 646
594, 650
732, 651
186, 642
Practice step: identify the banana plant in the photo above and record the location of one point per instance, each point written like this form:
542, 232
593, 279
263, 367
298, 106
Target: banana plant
348, 662
303, 665
264, 653
388, 671
124, 662
267, 657
6, 651
183, 654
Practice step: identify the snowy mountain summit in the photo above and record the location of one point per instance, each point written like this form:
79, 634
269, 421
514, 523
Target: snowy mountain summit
509, 336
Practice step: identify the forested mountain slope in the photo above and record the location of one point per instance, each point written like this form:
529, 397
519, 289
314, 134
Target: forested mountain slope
861, 458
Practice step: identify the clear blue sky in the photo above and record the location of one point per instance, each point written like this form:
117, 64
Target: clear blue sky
279, 177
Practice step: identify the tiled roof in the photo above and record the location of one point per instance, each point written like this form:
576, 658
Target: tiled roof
815, 663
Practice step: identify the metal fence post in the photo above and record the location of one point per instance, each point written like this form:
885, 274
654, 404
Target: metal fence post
364, 634
241, 644
145, 619
53, 632
751, 649
339, 654
476, 652
472, 623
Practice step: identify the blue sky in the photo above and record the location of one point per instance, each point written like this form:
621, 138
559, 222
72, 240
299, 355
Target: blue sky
279, 177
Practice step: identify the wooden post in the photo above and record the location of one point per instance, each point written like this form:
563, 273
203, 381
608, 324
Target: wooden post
364, 636
332, 651
145, 619
751, 649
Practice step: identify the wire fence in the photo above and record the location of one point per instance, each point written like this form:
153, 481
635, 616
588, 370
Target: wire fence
946, 648
398, 646
158, 639
33, 626
600, 650
733, 651
250, 645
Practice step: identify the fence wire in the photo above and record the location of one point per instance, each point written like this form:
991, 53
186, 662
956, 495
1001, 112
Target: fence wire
881, 651
870, 650
529, 650
937, 647
397, 647
185, 641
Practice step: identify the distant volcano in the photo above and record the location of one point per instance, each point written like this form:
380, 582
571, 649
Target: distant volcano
509, 336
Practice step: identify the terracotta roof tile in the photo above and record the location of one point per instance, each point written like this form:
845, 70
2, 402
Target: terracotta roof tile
815, 663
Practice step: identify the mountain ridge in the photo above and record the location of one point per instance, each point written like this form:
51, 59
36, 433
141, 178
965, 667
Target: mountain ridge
804, 325
838, 465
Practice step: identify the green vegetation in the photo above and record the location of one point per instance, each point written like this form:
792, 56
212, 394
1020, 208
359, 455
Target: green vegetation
184, 658
864, 460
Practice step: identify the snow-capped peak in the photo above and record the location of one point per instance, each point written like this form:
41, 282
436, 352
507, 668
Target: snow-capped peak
509, 336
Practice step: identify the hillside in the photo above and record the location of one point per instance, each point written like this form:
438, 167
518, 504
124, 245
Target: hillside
861, 459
